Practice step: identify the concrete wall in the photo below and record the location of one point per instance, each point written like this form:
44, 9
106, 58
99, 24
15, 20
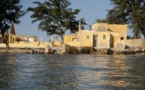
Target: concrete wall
81, 38
120, 45
85, 38
115, 38
135, 43
28, 45
99, 27
117, 33
103, 39
120, 29
108, 36
76, 44
69, 38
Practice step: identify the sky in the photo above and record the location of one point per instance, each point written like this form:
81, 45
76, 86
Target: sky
90, 11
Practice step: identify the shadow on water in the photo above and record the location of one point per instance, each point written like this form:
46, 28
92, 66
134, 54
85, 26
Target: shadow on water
71, 72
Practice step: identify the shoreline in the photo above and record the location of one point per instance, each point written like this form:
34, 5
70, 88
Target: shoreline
72, 50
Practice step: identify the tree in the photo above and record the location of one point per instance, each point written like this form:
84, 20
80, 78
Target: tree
55, 17
101, 21
131, 12
10, 10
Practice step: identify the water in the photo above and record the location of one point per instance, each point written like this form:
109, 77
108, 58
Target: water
72, 72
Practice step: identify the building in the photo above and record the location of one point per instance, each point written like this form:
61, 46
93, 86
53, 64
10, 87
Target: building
26, 38
102, 35
12, 38
114, 33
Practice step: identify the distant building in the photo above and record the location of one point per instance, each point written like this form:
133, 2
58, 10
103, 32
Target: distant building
103, 35
27, 38
11, 36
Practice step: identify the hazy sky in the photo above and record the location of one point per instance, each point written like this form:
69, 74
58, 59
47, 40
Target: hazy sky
90, 10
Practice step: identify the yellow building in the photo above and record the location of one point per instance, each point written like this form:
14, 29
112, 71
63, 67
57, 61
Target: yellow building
102, 35
26, 38
10, 36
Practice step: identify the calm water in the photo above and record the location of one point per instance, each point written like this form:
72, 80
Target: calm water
72, 72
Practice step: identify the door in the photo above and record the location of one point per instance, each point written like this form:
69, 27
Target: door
95, 40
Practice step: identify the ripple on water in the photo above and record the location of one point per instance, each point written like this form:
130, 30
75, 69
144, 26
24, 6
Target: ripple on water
71, 72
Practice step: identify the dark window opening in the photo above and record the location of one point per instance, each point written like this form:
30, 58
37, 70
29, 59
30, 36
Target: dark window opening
87, 36
75, 39
104, 36
121, 38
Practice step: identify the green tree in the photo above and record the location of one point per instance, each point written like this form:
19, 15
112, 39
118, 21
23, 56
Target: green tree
10, 10
101, 21
131, 12
55, 17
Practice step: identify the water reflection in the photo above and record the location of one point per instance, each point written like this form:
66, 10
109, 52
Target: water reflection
7, 61
123, 72
71, 72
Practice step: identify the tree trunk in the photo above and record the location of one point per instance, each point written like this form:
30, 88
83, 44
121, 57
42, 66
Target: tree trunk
4, 38
62, 39
142, 31
143, 34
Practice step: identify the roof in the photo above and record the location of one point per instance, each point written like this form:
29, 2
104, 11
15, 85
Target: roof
12, 29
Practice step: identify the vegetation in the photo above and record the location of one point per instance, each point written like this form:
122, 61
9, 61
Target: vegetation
55, 17
131, 12
10, 10
101, 21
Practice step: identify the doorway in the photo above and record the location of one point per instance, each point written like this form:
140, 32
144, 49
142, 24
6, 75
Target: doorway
95, 40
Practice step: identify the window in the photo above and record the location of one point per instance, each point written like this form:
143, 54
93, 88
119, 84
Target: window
121, 38
75, 39
87, 36
104, 36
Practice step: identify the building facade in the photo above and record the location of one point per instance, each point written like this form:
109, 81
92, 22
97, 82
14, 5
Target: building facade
101, 35
12, 38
